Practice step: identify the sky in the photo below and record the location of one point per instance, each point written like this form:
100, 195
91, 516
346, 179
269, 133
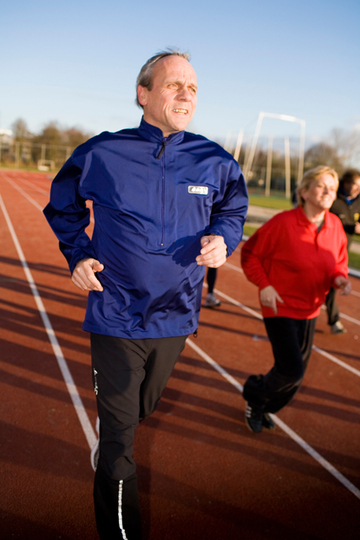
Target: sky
76, 62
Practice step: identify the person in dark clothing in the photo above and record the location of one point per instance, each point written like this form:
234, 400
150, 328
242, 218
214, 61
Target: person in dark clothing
347, 208
167, 204
211, 301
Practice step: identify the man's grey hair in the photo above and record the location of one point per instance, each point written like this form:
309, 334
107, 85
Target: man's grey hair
145, 77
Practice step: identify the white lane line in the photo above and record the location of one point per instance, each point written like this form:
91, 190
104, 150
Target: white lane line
317, 349
30, 199
34, 186
20, 190
294, 436
347, 317
69, 381
239, 304
337, 361
351, 319
215, 365
233, 267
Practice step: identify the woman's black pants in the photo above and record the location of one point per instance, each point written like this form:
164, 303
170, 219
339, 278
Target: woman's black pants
291, 341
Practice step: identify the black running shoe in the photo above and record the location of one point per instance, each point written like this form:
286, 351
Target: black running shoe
253, 419
268, 422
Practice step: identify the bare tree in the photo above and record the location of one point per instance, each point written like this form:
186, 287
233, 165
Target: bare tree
347, 144
20, 131
323, 154
74, 136
50, 134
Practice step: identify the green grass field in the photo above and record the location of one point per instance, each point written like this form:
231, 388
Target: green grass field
270, 202
354, 260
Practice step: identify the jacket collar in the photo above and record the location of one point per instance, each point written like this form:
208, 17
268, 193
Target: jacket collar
154, 134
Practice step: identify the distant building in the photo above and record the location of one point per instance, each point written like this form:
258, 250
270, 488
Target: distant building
6, 137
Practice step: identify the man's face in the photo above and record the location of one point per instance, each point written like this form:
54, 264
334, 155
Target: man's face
171, 103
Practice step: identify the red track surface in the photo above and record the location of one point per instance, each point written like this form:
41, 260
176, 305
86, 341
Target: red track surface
202, 474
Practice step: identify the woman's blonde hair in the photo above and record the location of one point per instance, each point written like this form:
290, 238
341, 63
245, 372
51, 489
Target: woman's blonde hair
312, 175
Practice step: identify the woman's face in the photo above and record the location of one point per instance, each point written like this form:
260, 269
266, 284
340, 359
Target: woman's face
321, 193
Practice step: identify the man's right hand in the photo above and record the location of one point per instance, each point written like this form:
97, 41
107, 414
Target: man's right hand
83, 275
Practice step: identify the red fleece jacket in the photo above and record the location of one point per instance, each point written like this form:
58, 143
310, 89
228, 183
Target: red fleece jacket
301, 263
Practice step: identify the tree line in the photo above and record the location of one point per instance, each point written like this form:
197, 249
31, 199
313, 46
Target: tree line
53, 145
52, 134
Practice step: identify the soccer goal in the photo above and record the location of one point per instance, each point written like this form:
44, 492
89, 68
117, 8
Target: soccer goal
251, 154
46, 165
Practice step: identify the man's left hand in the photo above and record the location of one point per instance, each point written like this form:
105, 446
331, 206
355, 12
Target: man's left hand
213, 251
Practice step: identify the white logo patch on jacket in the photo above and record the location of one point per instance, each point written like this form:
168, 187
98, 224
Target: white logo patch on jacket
198, 190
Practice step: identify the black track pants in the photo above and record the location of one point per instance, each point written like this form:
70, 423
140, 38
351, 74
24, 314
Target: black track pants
291, 341
211, 279
129, 377
332, 309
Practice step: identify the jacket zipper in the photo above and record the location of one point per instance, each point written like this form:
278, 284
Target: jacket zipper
161, 155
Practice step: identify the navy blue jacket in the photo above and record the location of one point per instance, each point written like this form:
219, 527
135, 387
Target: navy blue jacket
153, 200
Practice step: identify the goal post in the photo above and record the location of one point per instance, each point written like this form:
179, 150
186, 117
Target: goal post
46, 165
250, 158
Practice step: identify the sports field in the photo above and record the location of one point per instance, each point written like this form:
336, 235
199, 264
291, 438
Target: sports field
202, 473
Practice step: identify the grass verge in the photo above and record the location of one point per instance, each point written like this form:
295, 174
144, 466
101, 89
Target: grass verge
270, 202
354, 260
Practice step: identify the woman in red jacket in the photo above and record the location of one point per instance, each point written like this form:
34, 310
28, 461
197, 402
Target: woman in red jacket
294, 259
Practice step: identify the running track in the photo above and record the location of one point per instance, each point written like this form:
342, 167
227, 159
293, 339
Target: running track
203, 475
